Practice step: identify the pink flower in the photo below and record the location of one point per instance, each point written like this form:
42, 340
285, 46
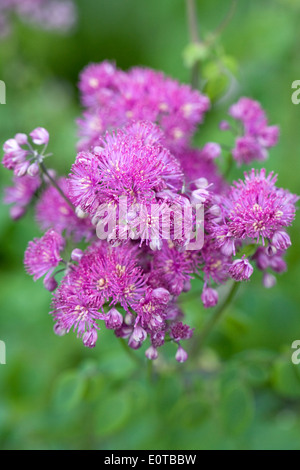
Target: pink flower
43, 254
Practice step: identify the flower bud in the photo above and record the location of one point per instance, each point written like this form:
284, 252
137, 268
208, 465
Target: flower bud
161, 294
181, 354
269, 280
16, 212
33, 170
59, 330
281, 240
240, 270
76, 254
90, 338
50, 283
40, 136
114, 319
209, 297
151, 353
21, 139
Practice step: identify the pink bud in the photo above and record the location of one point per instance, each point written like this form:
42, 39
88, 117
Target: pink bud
209, 297
211, 150
224, 126
59, 330
11, 145
50, 283
181, 355
114, 319
201, 183
281, 240
16, 212
21, 139
151, 353
21, 169
269, 280
90, 338
76, 255
161, 294
199, 196
33, 170
40, 136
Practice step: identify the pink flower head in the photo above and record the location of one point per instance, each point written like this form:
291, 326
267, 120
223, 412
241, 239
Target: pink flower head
21, 193
52, 211
43, 254
255, 208
114, 98
76, 311
124, 166
258, 136
180, 332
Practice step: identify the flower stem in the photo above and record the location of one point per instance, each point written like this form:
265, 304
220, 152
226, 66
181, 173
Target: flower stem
215, 318
56, 186
150, 371
193, 27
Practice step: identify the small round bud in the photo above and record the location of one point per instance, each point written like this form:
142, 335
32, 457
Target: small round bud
40, 136
151, 353
50, 283
90, 338
33, 170
181, 354
76, 255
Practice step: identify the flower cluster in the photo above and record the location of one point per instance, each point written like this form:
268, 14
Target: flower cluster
257, 137
59, 15
113, 98
154, 212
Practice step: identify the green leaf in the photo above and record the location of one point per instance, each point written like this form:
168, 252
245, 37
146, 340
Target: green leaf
216, 86
236, 408
231, 64
69, 391
194, 53
112, 413
285, 379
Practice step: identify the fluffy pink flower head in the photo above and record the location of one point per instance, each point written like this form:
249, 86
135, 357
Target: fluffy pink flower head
114, 98
74, 310
255, 209
125, 165
43, 254
258, 136
21, 194
52, 211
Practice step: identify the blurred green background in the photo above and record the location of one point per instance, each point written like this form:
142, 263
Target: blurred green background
242, 392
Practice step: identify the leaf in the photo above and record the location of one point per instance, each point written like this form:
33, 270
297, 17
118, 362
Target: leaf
285, 379
194, 53
69, 391
236, 408
112, 413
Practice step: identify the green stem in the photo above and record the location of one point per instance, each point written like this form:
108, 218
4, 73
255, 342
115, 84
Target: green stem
194, 37
150, 371
223, 25
215, 318
56, 186
229, 166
